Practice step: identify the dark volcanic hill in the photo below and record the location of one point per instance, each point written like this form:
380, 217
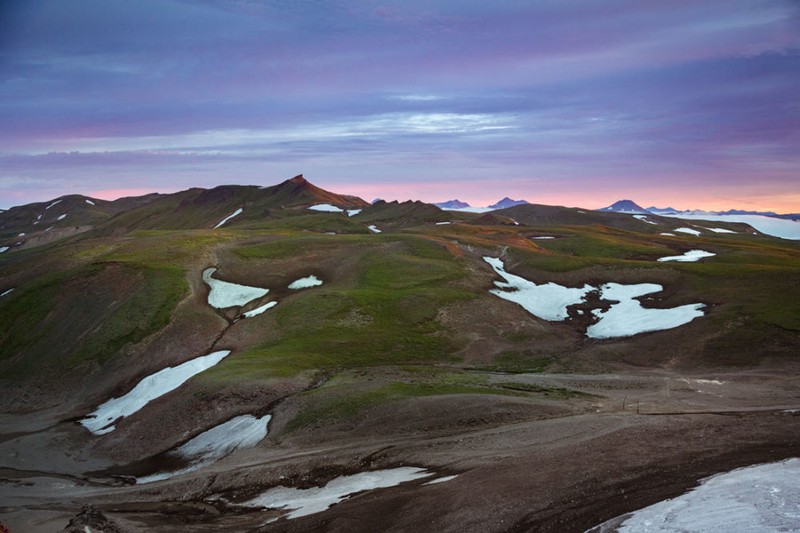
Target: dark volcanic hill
190, 209
402, 214
507, 202
625, 206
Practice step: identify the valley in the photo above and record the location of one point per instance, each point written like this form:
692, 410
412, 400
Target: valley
360, 338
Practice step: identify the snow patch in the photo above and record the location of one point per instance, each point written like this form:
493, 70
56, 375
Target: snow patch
304, 283
374, 229
227, 218
218, 442
258, 310
62, 217
628, 317
353, 212
441, 480
4, 293
3, 249
89, 202
21, 235
702, 381
689, 257
624, 318
690, 231
543, 238
224, 294
668, 234
721, 230
51, 205
102, 420
643, 218
548, 301
303, 502
761, 498
325, 208
443, 223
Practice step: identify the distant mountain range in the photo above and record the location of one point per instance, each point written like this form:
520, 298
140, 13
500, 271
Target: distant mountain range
629, 206
452, 204
502, 204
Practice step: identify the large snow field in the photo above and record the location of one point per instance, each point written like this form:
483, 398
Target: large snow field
628, 317
624, 318
689, 257
303, 502
227, 218
305, 283
761, 498
220, 441
149, 388
777, 227
548, 301
224, 294
326, 208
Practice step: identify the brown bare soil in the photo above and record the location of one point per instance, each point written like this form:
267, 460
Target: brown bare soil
522, 464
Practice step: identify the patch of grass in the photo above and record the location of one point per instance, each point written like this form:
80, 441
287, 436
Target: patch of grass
551, 393
519, 362
87, 313
603, 244
397, 295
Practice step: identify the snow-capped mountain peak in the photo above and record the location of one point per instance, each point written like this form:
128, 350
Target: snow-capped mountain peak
625, 206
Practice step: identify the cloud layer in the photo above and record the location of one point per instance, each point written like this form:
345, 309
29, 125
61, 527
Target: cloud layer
575, 102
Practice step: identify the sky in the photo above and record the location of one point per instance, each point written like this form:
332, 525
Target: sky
681, 103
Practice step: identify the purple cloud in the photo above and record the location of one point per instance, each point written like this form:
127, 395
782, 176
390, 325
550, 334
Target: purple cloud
620, 95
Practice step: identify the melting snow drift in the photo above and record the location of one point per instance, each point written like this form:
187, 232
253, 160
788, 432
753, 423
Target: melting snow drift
304, 283
153, 386
690, 231
303, 502
548, 301
326, 208
762, 498
353, 212
227, 218
220, 441
624, 318
225, 294
258, 310
689, 257
643, 218
628, 317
